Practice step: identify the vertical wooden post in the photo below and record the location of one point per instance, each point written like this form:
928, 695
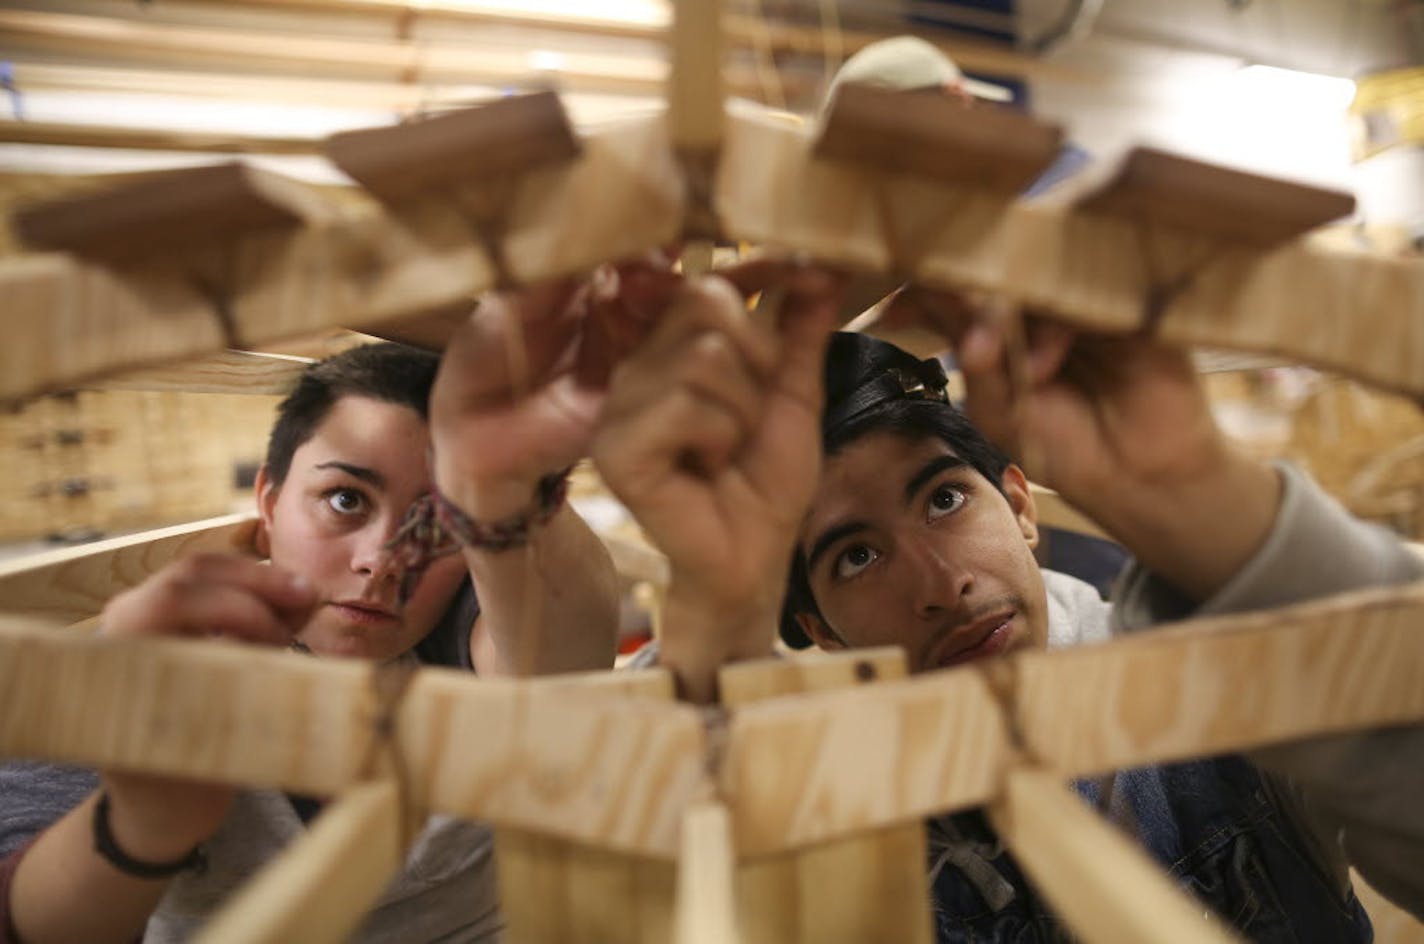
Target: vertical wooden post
860, 889
554, 891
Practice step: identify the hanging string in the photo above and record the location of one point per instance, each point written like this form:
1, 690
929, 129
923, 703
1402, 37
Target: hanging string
767, 75
832, 40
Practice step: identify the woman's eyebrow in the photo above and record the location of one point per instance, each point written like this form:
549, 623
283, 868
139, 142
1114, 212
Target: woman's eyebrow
370, 476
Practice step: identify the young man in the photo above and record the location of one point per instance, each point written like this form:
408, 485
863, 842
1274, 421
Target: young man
349, 456
919, 533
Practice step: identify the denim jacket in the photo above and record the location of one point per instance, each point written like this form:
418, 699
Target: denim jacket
1211, 823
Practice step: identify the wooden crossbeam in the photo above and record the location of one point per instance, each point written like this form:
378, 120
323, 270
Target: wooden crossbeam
239, 372
619, 771
808, 768
74, 583
321, 887
471, 146
1349, 311
1228, 683
600, 768
171, 210
1101, 882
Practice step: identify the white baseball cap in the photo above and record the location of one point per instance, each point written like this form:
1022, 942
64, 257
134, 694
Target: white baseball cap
909, 62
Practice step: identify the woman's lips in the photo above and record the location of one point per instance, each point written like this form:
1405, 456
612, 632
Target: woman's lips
979, 640
362, 613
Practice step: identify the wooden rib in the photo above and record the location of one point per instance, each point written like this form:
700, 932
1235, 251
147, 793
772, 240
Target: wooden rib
322, 886
74, 583
239, 372
934, 135
865, 887
469, 146
695, 82
1103, 884
616, 771
173, 210
1221, 202
1355, 312
116, 39
152, 139
554, 891
813, 767
809, 768
608, 770
706, 907
1225, 684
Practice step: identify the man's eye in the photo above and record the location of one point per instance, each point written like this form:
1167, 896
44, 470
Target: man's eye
853, 560
945, 500
345, 501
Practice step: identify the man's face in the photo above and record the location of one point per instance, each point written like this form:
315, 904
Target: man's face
348, 488
908, 545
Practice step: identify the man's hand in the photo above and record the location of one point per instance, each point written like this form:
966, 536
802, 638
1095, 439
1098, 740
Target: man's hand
711, 437
523, 382
1119, 426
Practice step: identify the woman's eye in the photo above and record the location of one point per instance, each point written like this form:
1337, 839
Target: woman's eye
345, 501
945, 500
853, 560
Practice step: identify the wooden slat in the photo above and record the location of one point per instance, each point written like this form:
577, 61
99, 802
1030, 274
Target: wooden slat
934, 135
152, 139
148, 43
173, 210
1054, 512
469, 146
695, 84
809, 768
1221, 202
1101, 882
706, 906
321, 887
554, 891
855, 889
240, 372
72, 584
812, 767
608, 770
1217, 685
1355, 312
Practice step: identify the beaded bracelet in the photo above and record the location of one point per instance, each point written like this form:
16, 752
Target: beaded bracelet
435, 527
108, 849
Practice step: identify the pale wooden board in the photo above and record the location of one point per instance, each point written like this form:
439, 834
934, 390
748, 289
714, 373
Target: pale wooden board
624, 194
694, 90
862, 888
706, 905
603, 768
931, 134
210, 710
1218, 201
226, 372
1101, 882
74, 583
1054, 512
813, 767
508, 135
172, 211
553, 891
1217, 685
321, 887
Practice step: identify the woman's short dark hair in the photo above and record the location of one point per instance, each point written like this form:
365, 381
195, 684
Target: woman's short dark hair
390, 372
860, 401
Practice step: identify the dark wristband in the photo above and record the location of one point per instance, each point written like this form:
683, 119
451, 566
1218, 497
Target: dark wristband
108, 848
